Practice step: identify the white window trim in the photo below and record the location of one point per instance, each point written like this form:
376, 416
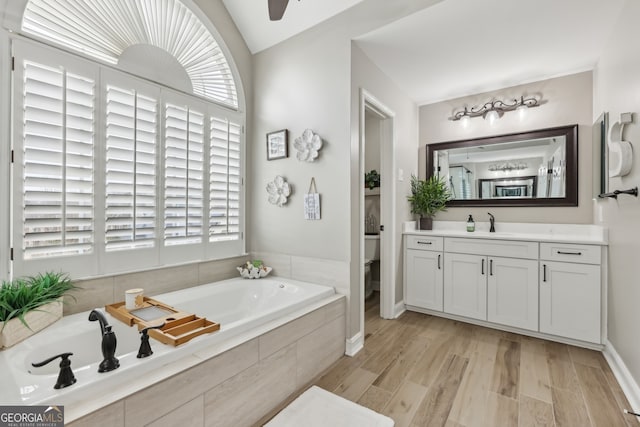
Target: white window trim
5, 153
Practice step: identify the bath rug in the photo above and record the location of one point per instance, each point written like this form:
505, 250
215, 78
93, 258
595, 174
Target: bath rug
317, 407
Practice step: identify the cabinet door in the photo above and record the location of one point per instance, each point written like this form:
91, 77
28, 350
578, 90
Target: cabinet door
424, 279
512, 292
570, 300
465, 285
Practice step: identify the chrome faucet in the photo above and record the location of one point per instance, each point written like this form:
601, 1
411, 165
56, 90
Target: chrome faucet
109, 342
492, 221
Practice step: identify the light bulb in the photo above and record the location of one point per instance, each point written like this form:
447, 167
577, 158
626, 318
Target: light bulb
464, 121
522, 111
491, 116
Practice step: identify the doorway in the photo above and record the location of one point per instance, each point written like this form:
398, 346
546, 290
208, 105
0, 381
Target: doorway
377, 206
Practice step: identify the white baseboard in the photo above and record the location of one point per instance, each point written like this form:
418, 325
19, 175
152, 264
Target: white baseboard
399, 309
629, 385
354, 344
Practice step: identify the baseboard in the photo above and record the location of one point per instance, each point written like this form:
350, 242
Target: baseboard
621, 372
354, 344
399, 309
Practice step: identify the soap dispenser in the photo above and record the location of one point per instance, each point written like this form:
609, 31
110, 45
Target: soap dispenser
471, 225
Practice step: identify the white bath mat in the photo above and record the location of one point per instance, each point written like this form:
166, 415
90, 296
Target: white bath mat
319, 408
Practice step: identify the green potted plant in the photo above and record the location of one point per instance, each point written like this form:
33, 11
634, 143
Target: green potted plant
428, 197
372, 179
28, 305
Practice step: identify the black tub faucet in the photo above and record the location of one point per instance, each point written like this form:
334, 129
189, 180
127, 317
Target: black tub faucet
109, 342
492, 221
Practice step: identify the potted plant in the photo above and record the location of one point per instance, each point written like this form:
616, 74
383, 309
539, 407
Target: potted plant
372, 179
28, 305
428, 197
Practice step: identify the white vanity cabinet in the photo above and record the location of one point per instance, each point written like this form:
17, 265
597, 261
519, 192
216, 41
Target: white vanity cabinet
492, 280
465, 285
423, 272
570, 291
546, 281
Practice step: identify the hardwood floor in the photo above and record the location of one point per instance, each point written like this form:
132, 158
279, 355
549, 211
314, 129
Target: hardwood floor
423, 370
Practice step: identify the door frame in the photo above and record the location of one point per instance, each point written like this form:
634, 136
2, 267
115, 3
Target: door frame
387, 204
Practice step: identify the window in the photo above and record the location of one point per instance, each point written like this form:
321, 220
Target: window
105, 29
224, 180
131, 168
183, 180
117, 174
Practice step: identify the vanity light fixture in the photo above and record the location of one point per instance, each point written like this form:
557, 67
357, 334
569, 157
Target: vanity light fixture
508, 166
493, 110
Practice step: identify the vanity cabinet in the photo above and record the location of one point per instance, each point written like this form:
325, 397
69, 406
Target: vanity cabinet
550, 290
424, 272
570, 291
512, 292
465, 285
494, 280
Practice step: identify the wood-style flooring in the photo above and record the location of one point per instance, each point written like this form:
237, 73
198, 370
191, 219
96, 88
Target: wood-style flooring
424, 370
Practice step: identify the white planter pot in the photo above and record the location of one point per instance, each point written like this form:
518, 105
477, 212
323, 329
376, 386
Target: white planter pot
14, 331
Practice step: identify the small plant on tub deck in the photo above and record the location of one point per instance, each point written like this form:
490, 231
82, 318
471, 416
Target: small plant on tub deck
19, 296
254, 269
428, 197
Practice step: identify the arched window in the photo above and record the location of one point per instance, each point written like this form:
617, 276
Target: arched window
135, 33
114, 172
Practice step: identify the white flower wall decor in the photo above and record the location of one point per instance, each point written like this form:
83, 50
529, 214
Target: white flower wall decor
308, 146
279, 190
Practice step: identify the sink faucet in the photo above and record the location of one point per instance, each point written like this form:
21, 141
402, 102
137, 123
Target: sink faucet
492, 220
109, 342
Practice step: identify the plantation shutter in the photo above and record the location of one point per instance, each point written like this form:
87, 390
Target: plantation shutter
131, 145
224, 180
57, 162
184, 175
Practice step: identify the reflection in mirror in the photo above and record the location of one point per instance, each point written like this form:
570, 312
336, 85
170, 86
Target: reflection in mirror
532, 168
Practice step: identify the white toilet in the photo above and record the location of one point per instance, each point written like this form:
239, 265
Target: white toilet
371, 254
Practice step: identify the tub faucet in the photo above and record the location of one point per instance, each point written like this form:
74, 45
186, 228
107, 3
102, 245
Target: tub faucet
109, 342
492, 220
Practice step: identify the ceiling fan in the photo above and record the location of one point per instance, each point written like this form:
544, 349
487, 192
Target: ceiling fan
277, 8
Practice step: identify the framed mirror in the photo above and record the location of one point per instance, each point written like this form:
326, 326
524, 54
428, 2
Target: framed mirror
533, 168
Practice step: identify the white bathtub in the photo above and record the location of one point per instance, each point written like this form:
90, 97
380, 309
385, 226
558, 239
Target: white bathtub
244, 308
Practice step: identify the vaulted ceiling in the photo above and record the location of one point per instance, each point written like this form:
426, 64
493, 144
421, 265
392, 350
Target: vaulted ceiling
457, 47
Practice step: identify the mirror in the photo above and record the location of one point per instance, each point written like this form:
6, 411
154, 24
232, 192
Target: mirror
534, 168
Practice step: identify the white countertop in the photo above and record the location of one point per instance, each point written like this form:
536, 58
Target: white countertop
554, 233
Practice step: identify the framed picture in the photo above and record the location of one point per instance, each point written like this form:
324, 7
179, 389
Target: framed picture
278, 144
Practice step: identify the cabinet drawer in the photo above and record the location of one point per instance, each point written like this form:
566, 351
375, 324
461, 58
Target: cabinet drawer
567, 252
490, 247
425, 243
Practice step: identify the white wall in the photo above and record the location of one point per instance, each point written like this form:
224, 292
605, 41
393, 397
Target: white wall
365, 75
568, 101
306, 82
617, 90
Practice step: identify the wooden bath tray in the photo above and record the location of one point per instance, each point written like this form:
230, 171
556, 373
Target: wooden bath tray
179, 326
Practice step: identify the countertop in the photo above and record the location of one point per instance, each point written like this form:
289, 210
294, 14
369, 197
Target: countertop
552, 233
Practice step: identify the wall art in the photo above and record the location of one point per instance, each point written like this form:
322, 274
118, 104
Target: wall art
312, 202
279, 190
278, 144
308, 146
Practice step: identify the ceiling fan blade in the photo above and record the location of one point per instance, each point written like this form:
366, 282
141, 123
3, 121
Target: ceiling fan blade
277, 8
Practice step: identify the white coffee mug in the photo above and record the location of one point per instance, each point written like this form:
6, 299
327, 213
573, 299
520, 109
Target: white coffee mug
133, 298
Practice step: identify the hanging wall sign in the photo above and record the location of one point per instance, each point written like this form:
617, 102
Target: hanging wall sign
312, 202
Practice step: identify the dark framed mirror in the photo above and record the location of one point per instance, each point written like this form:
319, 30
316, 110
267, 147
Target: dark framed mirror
533, 168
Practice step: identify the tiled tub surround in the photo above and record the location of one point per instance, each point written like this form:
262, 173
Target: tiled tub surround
98, 292
268, 361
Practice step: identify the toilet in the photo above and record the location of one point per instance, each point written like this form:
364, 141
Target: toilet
371, 255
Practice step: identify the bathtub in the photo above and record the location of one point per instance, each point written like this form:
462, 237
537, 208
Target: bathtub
244, 308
